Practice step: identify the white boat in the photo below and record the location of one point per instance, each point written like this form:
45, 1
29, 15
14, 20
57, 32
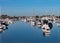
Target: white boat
45, 28
1, 30
1, 27
9, 22
33, 23
57, 23
4, 27
25, 20
39, 24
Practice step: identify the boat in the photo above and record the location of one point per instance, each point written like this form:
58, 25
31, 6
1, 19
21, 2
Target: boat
45, 28
1, 30
9, 22
24, 20
4, 27
33, 23
4, 23
39, 23
57, 23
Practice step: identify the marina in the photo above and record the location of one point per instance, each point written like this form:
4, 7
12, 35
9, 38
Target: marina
29, 28
29, 21
22, 32
46, 22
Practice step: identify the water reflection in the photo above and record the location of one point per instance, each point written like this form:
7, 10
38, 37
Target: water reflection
4, 25
39, 24
33, 23
46, 34
3, 30
46, 27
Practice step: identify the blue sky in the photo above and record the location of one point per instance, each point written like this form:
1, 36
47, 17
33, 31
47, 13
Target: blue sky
29, 7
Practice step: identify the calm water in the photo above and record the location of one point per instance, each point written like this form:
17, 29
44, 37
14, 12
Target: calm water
21, 32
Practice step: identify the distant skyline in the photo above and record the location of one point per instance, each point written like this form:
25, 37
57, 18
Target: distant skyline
30, 7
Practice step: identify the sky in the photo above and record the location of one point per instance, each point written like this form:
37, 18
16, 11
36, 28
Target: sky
30, 7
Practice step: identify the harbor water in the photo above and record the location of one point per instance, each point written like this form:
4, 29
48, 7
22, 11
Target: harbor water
21, 32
